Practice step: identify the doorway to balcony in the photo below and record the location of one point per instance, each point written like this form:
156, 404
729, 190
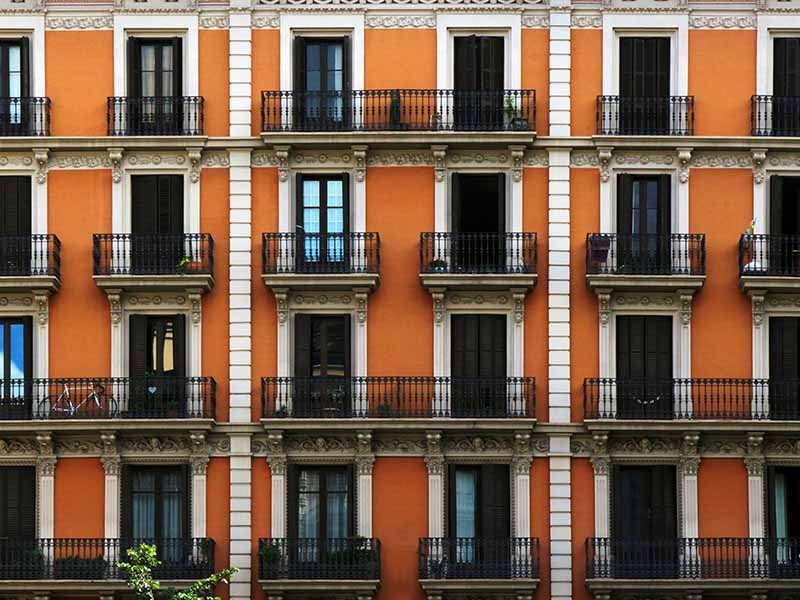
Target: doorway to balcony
478, 223
15, 225
323, 224
644, 85
478, 82
644, 225
783, 494
784, 368
155, 84
322, 365
157, 240
478, 365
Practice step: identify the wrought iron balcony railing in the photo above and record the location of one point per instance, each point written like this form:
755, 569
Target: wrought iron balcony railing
666, 115
769, 255
153, 254
37, 255
646, 254
479, 253
698, 399
24, 117
307, 558
155, 115
316, 253
693, 558
149, 397
97, 558
475, 558
775, 115
399, 110
398, 397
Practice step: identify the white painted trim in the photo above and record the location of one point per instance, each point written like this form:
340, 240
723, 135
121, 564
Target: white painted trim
601, 505
770, 27
122, 204
449, 26
198, 510
435, 504
364, 501
512, 208
755, 506
679, 198
185, 26
522, 503
278, 509
111, 519
46, 495
676, 26
689, 505
32, 26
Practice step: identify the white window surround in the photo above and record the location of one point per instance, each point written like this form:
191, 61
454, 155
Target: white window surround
185, 26
32, 27
122, 205
761, 195
512, 200
770, 27
26, 305
514, 352
321, 24
449, 26
675, 26
356, 196
679, 198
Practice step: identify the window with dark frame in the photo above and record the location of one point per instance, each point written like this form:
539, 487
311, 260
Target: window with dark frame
14, 82
322, 72
323, 222
478, 365
18, 503
644, 224
784, 368
157, 365
155, 85
786, 85
478, 218
157, 218
783, 497
15, 225
478, 81
16, 362
644, 85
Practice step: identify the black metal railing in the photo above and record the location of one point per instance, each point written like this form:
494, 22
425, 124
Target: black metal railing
775, 115
153, 254
693, 558
699, 399
97, 558
500, 253
155, 115
148, 397
474, 558
36, 255
398, 397
307, 558
646, 254
399, 110
24, 116
316, 253
769, 255
666, 115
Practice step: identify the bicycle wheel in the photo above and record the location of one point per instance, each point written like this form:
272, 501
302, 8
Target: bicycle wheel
112, 407
56, 407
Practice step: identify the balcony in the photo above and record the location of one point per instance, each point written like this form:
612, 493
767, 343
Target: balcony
24, 117
478, 260
155, 116
498, 402
424, 115
321, 261
717, 403
84, 565
648, 262
667, 115
30, 263
775, 116
487, 567
337, 567
136, 262
769, 262
176, 401
716, 565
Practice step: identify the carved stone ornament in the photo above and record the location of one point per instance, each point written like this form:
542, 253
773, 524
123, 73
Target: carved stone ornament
684, 161
439, 161
722, 22
686, 309
584, 158
600, 464
321, 444
195, 155
282, 154
587, 22
199, 465
46, 466
360, 3
115, 156
362, 304
519, 307
80, 22
15, 446
42, 306
400, 21
517, 155
755, 465
433, 442
400, 158
521, 465
435, 465
728, 160
197, 441
266, 21
364, 464
478, 444
604, 306
540, 21
757, 301
438, 306
214, 21
364, 442
275, 442
759, 158
536, 158
282, 304
40, 156
44, 443
360, 156
108, 442
111, 464
115, 305
195, 300
604, 156
277, 464
645, 446
156, 445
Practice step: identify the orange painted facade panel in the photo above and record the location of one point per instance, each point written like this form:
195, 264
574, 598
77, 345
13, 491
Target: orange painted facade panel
218, 521
213, 60
587, 79
266, 49
79, 68
582, 523
722, 498
536, 73
400, 498
540, 521
399, 207
261, 504
584, 333
79, 498
214, 219
390, 62
721, 81
534, 219
74, 217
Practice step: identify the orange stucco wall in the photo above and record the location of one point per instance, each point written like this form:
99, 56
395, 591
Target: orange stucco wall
214, 219
540, 521
400, 497
74, 217
534, 219
536, 72
582, 523
213, 60
261, 515
721, 81
80, 78
584, 218
722, 498
265, 322
721, 314
266, 46
390, 63
399, 207
218, 521
587, 79
79, 498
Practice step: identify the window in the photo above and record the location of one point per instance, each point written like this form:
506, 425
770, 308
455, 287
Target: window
322, 223
478, 365
644, 85
322, 83
17, 502
478, 82
157, 240
784, 370
783, 492
16, 367
478, 219
644, 224
157, 365
786, 84
322, 362
644, 367
15, 225
14, 82
155, 68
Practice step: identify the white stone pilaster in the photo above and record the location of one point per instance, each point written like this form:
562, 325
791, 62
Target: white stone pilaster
688, 468
241, 492
240, 67
560, 519
440, 200
199, 467
434, 460
755, 464
560, 68
521, 484
601, 465
45, 474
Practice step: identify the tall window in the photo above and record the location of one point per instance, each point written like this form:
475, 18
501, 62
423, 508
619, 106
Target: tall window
17, 502
786, 85
157, 364
644, 85
478, 81
16, 366
15, 225
322, 222
157, 241
14, 80
643, 224
784, 367
322, 364
783, 492
478, 365
478, 212
155, 67
322, 82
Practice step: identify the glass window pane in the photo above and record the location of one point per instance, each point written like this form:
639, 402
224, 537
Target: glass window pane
635, 203
148, 57
335, 348
17, 351
143, 504
308, 481
3, 352
311, 191
335, 189
337, 515
466, 502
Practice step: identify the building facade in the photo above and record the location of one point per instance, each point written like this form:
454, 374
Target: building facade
401, 300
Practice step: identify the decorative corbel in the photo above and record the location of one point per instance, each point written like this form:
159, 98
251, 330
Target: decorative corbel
40, 156
522, 458
197, 442
276, 453
757, 300
109, 453
42, 303
434, 458
195, 156
519, 306
439, 161
759, 158
685, 297
599, 457
282, 154
46, 459
115, 303
684, 160
115, 156
689, 460
438, 305
604, 305
196, 303
365, 458
517, 156
282, 303
362, 303
360, 156
604, 156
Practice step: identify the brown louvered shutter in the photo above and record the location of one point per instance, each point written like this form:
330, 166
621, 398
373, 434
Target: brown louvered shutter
134, 67
177, 66
126, 501
495, 511
302, 345
179, 345
25, 66
137, 334
144, 197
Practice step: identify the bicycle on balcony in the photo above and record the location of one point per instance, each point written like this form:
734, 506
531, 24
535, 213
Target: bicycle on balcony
96, 404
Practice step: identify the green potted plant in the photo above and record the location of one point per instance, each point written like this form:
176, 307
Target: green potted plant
437, 265
271, 556
384, 410
513, 114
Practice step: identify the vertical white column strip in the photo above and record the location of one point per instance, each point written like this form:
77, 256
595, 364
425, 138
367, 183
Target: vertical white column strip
365, 499
241, 511
199, 467
46, 470
560, 519
522, 496
240, 67
277, 466
560, 65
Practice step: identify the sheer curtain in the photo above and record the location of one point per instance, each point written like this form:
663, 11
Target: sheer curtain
780, 515
171, 515
466, 490
308, 514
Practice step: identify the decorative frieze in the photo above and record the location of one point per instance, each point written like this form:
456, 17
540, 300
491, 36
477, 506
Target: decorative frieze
724, 159
260, 21
81, 160
722, 22
536, 158
360, 3
214, 21
79, 22
400, 21
539, 21
644, 446
587, 21
264, 158
584, 158
410, 158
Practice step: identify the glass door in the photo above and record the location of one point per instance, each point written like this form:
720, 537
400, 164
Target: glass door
322, 224
16, 368
322, 85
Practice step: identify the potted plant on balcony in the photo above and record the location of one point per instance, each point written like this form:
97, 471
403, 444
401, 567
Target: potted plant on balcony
271, 556
514, 117
435, 121
599, 245
188, 264
79, 567
437, 265
28, 563
384, 410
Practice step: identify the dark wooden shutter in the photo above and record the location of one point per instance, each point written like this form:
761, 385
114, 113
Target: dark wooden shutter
786, 68
501, 203
776, 185
300, 215
631, 503
346, 201
626, 64
624, 205
455, 203
302, 345
126, 501
186, 505
464, 338
18, 495
25, 66
293, 493
465, 63
134, 67
144, 196
15, 205
644, 67
658, 348
783, 348
177, 67
771, 501
351, 508
491, 346
644, 348
347, 64
495, 512
451, 500
170, 204
492, 63
179, 345
663, 503
664, 205
137, 335
299, 64
347, 345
